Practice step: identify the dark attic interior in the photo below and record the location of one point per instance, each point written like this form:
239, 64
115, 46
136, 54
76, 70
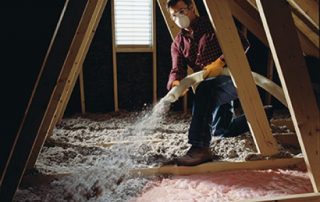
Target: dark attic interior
160, 100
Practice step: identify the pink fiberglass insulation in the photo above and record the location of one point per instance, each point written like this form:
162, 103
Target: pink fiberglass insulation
227, 186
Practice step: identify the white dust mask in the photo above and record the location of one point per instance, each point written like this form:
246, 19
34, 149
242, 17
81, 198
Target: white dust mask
182, 21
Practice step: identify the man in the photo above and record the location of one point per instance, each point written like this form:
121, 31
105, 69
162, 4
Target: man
196, 45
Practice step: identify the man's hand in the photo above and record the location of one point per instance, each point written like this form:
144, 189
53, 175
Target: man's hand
176, 83
213, 69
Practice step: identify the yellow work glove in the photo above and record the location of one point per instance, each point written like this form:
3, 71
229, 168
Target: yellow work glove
213, 69
175, 83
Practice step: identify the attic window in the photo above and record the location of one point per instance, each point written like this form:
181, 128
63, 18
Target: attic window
133, 22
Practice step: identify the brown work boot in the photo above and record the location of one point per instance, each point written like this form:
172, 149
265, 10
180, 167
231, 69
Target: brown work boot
194, 157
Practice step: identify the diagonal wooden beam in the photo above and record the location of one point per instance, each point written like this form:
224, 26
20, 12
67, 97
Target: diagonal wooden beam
172, 28
249, 17
61, 58
309, 39
246, 12
40, 93
68, 77
302, 27
296, 9
307, 31
307, 46
294, 77
311, 8
222, 21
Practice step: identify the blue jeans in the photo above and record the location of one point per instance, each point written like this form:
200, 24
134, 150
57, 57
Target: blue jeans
213, 113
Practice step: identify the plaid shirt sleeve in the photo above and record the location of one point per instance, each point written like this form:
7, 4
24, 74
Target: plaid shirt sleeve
197, 53
179, 65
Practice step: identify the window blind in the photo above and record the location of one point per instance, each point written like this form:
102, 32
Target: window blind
133, 22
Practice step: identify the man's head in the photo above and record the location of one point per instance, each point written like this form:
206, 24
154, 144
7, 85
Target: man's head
182, 12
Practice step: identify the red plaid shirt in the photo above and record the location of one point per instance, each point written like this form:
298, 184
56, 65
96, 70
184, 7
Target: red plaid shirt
197, 51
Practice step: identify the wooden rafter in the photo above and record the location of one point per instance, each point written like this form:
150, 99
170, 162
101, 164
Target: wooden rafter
249, 17
65, 52
287, 54
310, 8
307, 31
307, 46
296, 9
246, 12
229, 40
69, 76
307, 34
311, 33
54, 86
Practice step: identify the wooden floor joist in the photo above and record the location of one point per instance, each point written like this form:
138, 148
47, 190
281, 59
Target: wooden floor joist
284, 122
287, 139
287, 54
58, 143
219, 166
308, 197
49, 88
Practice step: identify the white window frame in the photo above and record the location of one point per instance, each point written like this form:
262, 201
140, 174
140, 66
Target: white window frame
135, 47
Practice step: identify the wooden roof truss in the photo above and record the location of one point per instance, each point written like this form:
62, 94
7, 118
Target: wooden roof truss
290, 28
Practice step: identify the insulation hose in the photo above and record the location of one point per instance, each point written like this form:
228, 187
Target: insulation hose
194, 79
